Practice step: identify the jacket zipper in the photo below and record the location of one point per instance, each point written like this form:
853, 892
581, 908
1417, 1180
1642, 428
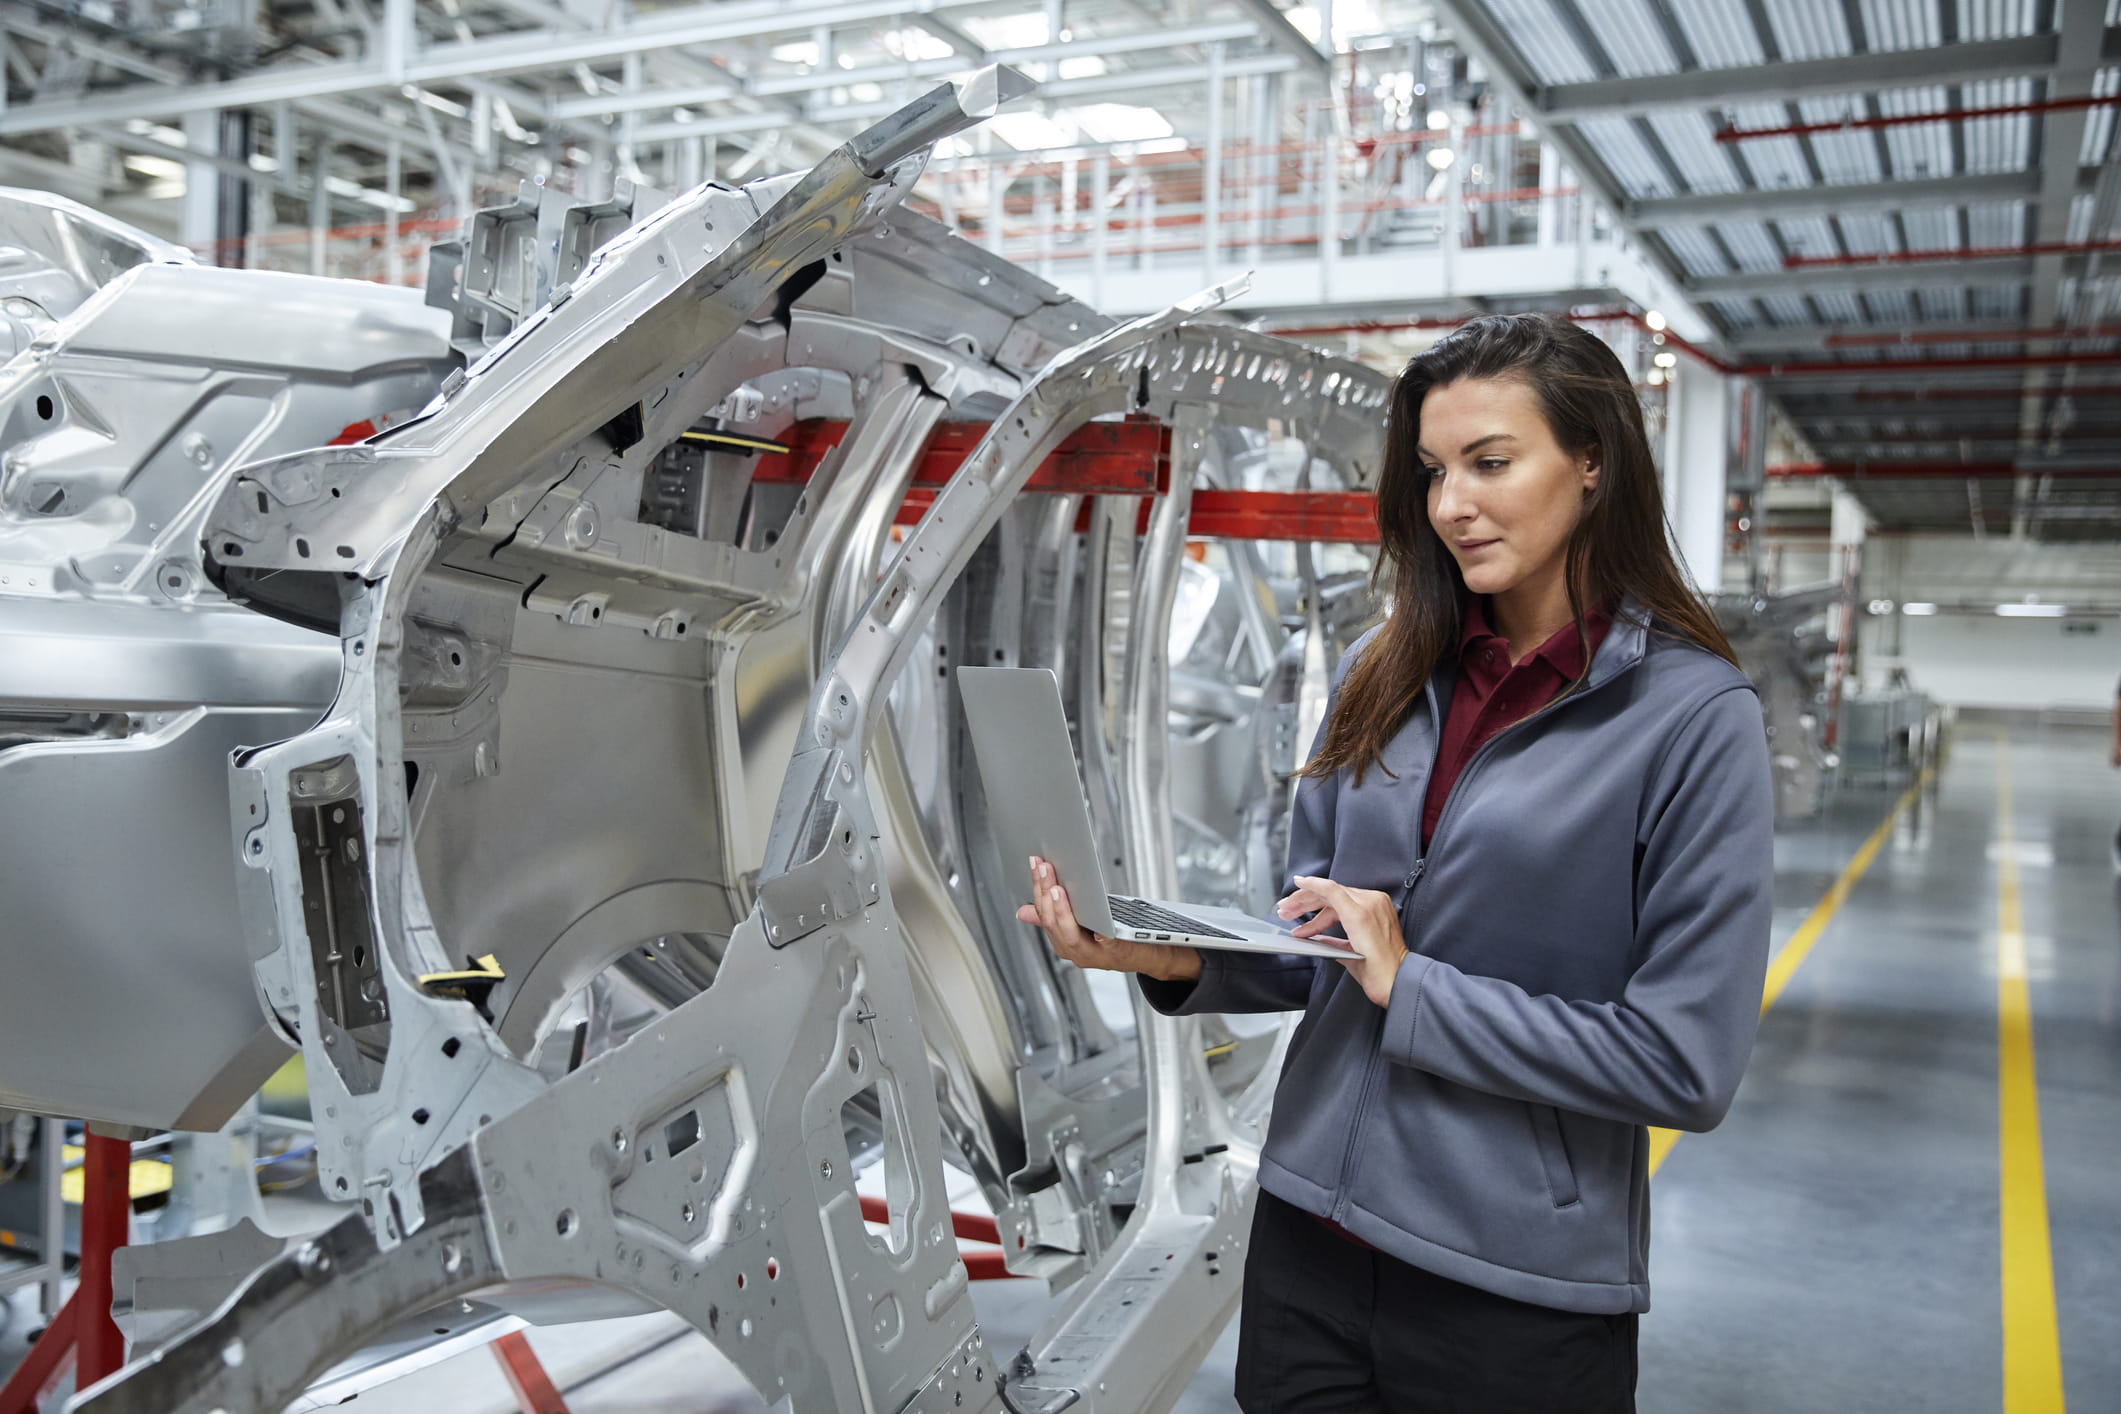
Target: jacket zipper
1349, 1155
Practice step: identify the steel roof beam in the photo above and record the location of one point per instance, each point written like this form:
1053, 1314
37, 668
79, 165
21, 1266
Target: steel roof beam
1856, 279
730, 124
1794, 203
770, 85
1478, 33
2061, 139
1800, 78
1274, 27
1762, 338
520, 52
966, 46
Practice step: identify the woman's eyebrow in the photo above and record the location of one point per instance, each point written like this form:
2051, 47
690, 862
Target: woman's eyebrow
1469, 448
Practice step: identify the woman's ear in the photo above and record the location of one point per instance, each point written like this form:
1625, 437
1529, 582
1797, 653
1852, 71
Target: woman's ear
1588, 465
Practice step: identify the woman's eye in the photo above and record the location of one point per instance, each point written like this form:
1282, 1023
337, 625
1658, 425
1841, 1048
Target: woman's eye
1493, 463
1432, 472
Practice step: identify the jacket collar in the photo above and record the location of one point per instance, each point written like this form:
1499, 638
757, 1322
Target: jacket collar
1625, 643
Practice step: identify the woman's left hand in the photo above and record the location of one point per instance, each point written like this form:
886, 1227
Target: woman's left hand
1371, 923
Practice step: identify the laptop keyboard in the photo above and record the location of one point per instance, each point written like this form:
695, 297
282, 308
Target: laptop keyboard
1150, 919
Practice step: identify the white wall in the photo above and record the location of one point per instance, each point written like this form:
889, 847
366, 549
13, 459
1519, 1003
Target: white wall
1984, 661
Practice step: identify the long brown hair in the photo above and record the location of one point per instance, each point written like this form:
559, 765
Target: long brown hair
1621, 545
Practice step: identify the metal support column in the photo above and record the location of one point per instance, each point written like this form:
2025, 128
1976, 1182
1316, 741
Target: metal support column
1265, 163
319, 201
1211, 187
1071, 203
995, 185
1698, 451
1549, 182
393, 179
1100, 196
231, 191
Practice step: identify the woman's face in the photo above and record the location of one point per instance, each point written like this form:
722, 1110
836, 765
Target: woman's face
1503, 493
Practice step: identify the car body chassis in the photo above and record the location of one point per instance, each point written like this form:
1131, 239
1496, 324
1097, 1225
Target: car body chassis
624, 882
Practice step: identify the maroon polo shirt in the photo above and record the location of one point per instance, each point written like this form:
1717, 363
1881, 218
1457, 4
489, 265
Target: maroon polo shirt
1492, 692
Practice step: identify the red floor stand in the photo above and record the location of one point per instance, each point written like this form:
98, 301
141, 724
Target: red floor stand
83, 1333
526, 1375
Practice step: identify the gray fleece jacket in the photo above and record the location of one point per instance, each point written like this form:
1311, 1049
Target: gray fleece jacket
1589, 936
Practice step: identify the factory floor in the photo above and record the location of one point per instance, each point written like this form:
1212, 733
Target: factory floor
1913, 1205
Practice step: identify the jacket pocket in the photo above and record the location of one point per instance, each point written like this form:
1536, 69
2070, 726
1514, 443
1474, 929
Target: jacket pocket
1553, 1154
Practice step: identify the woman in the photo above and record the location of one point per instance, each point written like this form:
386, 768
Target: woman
1539, 812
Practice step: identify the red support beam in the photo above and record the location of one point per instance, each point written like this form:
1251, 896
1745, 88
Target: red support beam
1098, 458
106, 1225
83, 1333
44, 1363
972, 1227
1341, 517
1131, 458
525, 1374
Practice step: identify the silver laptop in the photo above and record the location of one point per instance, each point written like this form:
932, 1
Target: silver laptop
1035, 805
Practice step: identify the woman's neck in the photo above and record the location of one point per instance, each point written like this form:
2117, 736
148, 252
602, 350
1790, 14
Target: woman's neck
1532, 612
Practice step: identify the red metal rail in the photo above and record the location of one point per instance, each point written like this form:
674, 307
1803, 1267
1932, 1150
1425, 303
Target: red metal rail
1131, 458
969, 1227
525, 1373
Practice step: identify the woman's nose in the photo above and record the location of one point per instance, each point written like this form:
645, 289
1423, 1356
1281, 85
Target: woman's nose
1450, 503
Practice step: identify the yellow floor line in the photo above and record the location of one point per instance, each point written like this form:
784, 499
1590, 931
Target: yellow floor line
2032, 1350
1800, 944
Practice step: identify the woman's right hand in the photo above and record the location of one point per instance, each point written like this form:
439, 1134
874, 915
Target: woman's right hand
1074, 943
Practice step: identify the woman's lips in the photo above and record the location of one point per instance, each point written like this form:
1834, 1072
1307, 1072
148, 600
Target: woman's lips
1467, 547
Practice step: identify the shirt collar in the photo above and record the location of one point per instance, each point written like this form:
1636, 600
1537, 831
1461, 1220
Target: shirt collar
1564, 652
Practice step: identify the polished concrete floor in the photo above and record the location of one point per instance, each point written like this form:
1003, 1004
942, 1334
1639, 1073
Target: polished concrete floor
1834, 1245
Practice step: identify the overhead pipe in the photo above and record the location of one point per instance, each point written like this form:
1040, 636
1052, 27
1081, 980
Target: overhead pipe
1898, 120
1839, 369
1768, 370
1963, 336
2076, 433
1996, 393
1911, 257
1919, 470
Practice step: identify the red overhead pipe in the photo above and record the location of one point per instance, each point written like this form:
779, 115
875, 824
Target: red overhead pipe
1897, 120
2079, 432
1833, 367
1596, 316
1915, 470
2011, 393
1909, 257
1962, 336
1367, 326
1839, 368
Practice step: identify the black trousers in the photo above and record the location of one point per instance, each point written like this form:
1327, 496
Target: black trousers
1328, 1325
